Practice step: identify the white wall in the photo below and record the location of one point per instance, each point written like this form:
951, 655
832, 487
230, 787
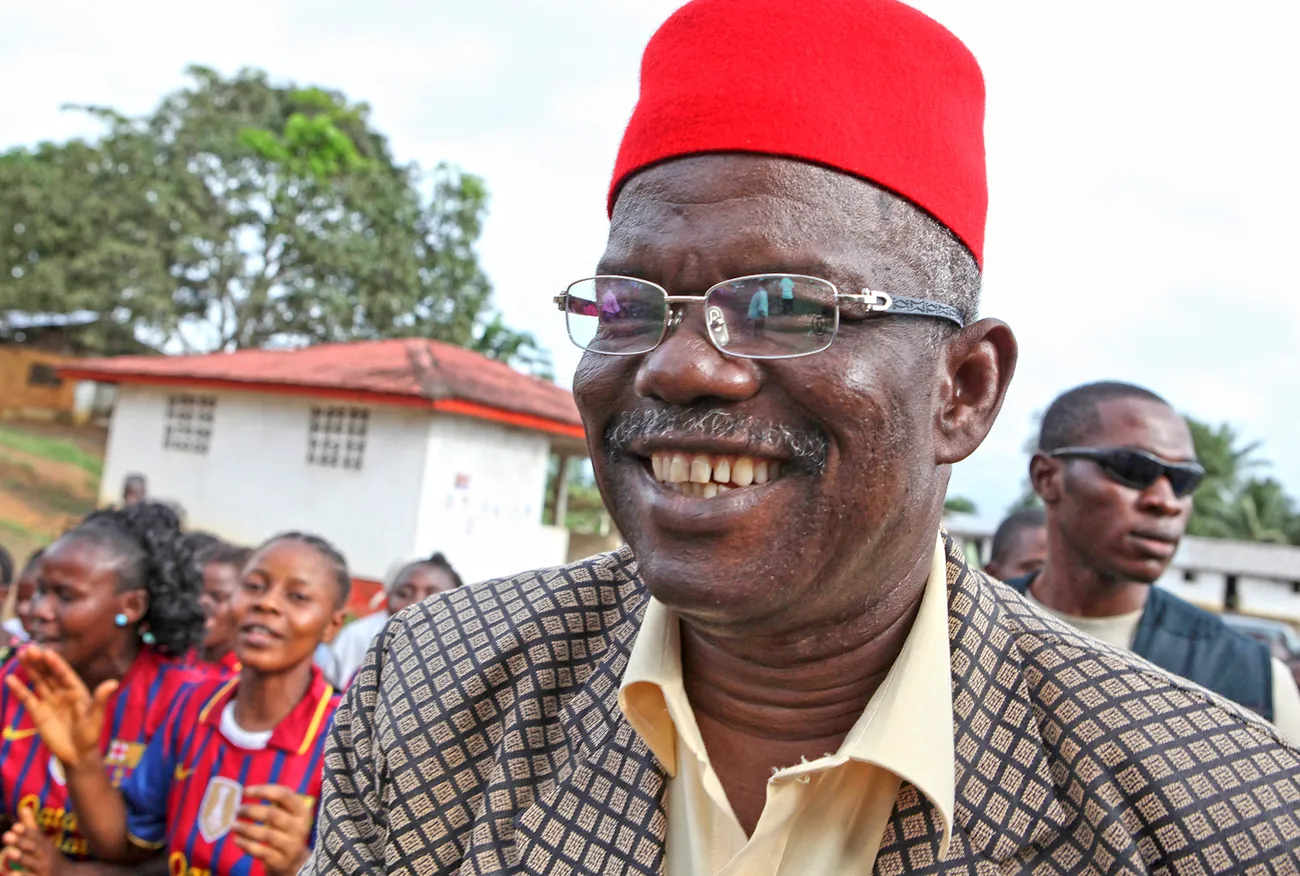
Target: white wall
483, 495
255, 480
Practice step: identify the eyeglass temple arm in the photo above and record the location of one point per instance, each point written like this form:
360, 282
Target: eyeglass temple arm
883, 302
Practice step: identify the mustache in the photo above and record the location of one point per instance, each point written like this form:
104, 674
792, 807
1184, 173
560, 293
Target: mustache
805, 449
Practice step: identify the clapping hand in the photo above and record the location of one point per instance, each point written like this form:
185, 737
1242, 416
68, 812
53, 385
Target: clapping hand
275, 832
68, 718
28, 850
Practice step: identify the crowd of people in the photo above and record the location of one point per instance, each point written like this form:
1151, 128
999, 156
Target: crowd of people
167, 694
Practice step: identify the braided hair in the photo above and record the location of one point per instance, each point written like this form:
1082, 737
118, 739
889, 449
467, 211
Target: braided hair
152, 555
332, 555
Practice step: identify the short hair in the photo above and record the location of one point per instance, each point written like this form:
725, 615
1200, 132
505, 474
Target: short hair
1072, 419
6, 567
332, 555
152, 555
443, 563
1009, 529
134, 480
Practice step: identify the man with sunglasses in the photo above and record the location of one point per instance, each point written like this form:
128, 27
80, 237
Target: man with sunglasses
789, 669
1116, 470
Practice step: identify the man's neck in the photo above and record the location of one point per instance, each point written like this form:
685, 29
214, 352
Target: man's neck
810, 684
1069, 586
763, 703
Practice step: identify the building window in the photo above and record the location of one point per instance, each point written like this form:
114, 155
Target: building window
189, 422
41, 374
338, 437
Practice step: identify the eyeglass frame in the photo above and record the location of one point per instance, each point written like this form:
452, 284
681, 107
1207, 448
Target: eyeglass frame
875, 301
1096, 454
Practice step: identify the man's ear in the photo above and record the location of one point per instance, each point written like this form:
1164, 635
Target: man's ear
1046, 476
978, 364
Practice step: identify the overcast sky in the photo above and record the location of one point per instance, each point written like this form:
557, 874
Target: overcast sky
1142, 163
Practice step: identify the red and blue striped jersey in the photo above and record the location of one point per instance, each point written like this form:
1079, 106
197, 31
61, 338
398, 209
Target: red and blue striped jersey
223, 668
32, 778
188, 788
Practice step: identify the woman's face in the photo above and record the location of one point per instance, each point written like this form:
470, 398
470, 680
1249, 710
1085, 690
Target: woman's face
287, 603
25, 599
220, 581
76, 602
418, 583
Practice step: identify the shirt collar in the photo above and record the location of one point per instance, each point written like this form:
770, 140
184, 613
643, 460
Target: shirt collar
299, 729
906, 728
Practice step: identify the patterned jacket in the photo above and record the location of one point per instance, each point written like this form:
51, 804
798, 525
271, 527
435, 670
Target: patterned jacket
483, 735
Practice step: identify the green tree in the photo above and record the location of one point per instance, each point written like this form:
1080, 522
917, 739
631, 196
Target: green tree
242, 213
959, 505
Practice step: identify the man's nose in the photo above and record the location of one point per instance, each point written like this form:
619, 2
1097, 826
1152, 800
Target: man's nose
688, 369
1159, 499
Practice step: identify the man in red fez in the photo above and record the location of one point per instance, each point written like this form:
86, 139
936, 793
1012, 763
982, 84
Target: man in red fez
789, 669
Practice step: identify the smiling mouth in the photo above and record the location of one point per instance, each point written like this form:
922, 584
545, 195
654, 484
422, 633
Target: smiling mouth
708, 475
259, 631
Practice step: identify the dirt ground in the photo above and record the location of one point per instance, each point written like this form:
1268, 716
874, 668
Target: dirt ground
47, 483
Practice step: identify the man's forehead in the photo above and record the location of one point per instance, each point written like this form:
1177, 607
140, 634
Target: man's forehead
1141, 422
744, 214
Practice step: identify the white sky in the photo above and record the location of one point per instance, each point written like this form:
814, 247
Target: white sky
1141, 163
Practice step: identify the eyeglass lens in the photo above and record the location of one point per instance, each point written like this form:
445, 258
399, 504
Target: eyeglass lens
769, 316
1141, 471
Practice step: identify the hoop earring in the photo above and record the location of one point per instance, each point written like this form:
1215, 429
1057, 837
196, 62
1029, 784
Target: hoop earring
121, 620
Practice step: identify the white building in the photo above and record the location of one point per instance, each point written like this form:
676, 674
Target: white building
387, 448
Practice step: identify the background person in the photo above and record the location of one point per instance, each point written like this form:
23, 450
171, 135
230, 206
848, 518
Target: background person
1019, 545
407, 583
117, 599
1116, 470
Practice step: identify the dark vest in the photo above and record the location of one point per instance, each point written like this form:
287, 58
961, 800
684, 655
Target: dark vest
1191, 642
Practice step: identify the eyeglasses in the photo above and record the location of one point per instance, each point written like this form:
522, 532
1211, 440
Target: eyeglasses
763, 316
1139, 469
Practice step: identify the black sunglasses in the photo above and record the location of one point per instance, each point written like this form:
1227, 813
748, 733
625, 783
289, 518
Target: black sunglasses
1137, 468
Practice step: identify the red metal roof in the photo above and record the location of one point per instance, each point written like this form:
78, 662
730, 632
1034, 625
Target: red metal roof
409, 372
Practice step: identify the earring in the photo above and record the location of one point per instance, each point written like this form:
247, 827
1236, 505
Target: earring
148, 638
121, 620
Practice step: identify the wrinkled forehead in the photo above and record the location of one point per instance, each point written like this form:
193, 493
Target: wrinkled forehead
702, 219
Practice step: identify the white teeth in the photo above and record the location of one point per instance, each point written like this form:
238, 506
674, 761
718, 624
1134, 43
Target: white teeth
702, 475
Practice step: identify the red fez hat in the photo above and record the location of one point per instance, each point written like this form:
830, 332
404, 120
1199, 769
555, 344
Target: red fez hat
868, 87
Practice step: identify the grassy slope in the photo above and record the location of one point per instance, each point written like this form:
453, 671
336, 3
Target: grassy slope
49, 476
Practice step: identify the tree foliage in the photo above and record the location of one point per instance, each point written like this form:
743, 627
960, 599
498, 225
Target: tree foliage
242, 213
1233, 502
959, 505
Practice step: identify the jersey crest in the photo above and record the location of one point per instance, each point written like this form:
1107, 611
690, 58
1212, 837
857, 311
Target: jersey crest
219, 806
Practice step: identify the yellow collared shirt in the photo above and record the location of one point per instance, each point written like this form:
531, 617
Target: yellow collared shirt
823, 816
